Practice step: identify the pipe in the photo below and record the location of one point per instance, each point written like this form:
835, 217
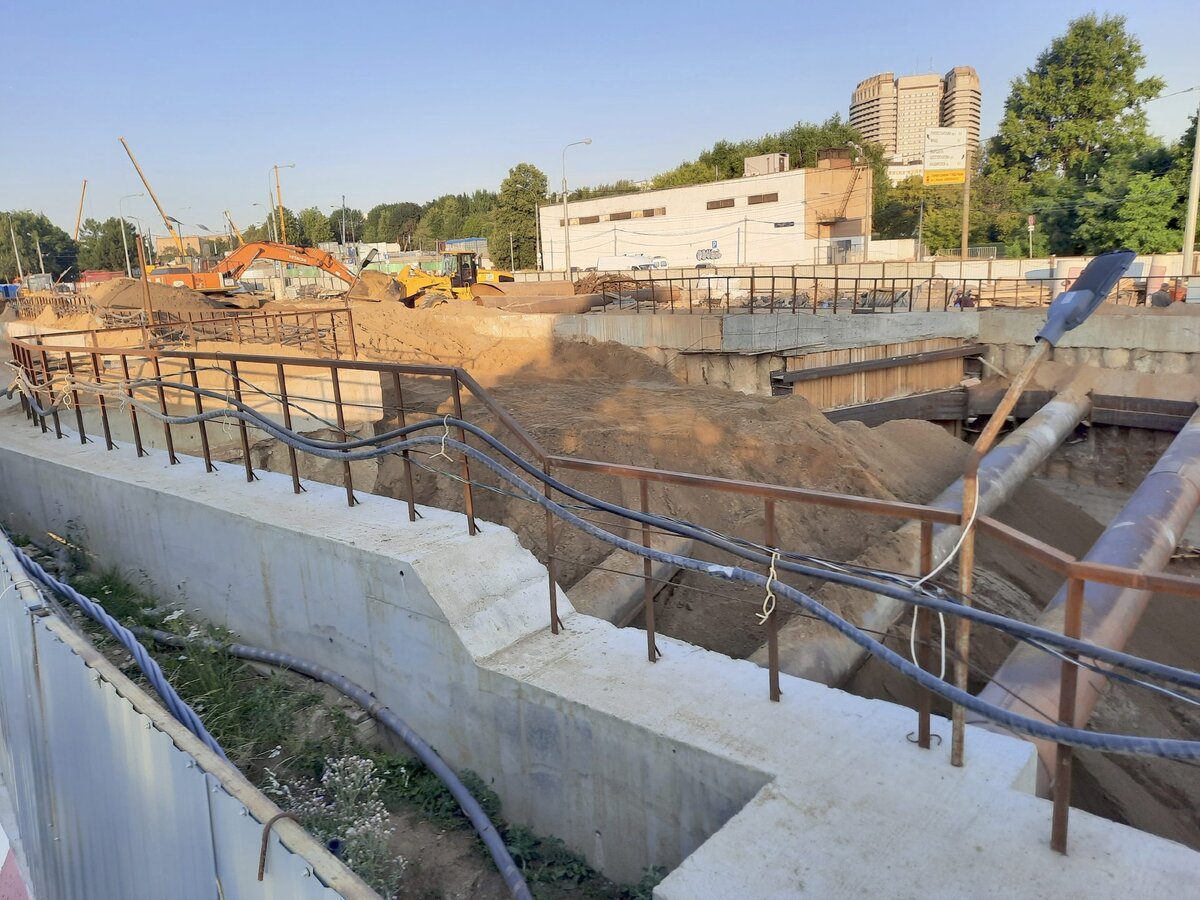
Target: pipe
826, 657
1143, 535
483, 825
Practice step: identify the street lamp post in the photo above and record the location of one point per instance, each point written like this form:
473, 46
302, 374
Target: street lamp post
124, 239
566, 216
279, 197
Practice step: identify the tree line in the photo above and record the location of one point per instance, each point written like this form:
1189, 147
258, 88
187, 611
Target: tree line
1072, 150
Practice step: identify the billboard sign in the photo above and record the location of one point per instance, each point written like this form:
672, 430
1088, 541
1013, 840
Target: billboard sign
945, 155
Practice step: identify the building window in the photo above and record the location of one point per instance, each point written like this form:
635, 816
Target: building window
585, 220
619, 217
720, 204
754, 199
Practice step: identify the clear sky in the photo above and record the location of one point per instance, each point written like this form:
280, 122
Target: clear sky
395, 101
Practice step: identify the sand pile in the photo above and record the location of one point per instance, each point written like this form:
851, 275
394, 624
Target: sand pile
126, 293
607, 402
376, 287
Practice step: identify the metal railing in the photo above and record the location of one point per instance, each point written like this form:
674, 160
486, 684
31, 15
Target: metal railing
328, 331
62, 378
30, 306
777, 292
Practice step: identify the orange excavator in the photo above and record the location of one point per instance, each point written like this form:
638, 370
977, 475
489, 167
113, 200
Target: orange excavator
223, 277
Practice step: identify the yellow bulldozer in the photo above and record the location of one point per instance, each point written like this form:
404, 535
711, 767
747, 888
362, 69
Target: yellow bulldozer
461, 279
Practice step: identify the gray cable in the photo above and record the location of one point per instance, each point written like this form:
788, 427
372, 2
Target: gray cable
366, 699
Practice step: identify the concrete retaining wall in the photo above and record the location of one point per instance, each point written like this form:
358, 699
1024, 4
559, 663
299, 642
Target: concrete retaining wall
683, 763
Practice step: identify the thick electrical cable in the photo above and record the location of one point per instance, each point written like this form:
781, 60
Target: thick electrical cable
368, 701
149, 667
891, 584
1168, 748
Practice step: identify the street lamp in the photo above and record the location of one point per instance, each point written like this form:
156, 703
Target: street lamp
124, 239
279, 197
566, 217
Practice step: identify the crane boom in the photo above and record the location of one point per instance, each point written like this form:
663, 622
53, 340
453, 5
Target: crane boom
150, 191
79, 215
229, 219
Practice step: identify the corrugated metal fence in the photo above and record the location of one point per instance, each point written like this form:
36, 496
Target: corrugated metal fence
113, 798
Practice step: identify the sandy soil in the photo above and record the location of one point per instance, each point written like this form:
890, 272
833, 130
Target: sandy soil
126, 293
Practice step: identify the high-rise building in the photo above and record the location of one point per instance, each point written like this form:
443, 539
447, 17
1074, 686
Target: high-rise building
918, 106
961, 101
894, 112
873, 110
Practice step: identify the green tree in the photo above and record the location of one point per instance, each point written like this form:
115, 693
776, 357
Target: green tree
315, 226
58, 250
802, 142
355, 220
516, 215
1079, 106
391, 222
1135, 211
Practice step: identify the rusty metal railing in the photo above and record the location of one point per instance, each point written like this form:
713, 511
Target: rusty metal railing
59, 376
327, 331
753, 293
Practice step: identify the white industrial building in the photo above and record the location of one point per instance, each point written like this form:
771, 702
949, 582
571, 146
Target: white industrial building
782, 217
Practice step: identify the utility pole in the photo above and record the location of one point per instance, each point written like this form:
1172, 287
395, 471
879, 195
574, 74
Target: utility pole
79, 215
512, 259
966, 219
537, 238
343, 220
566, 214
279, 196
921, 232
1189, 228
37, 240
16, 252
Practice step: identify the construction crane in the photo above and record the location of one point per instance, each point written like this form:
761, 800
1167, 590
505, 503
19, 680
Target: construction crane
166, 220
79, 215
229, 219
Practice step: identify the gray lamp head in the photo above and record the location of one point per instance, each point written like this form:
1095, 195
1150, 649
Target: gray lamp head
1071, 308
370, 258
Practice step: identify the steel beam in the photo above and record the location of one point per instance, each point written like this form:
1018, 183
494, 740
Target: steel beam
1142, 536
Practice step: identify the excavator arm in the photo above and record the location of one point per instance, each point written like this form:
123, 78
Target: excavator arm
240, 259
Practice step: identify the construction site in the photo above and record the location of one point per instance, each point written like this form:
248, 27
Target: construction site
671, 562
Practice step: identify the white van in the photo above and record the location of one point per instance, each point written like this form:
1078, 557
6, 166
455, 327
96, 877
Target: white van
635, 262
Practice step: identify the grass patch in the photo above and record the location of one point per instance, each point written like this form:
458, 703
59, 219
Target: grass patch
280, 730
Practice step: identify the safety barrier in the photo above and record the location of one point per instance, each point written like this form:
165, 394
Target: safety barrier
84, 748
713, 293
328, 331
164, 386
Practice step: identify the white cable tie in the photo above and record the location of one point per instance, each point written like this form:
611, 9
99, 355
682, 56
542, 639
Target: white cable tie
445, 435
768, 606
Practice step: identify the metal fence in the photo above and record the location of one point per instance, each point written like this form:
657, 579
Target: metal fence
781, 292
328, 331
46, 372
113, 797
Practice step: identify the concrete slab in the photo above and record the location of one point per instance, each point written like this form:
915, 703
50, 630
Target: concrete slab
683, 763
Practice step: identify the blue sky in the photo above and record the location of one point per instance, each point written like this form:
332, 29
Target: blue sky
387, 102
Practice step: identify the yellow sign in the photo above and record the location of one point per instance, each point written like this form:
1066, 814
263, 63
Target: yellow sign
946, 176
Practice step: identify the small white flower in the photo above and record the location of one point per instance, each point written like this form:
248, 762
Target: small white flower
178, 614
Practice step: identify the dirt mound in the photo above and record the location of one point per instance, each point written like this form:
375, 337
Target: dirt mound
595, 283
376, 287
126, 293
